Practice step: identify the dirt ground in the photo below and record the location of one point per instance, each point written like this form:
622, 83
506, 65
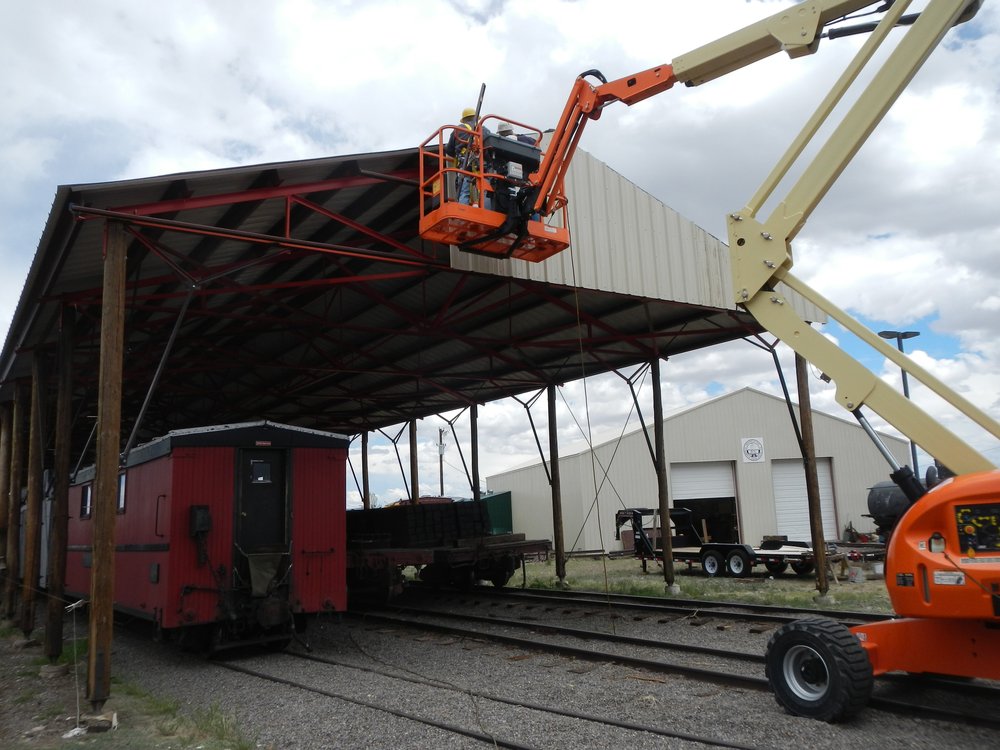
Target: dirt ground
39, 706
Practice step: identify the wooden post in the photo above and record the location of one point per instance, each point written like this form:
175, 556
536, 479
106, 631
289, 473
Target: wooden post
414, 474
59, 520
102, 573
14, 499
33, 506
477, 493
5, 431
558, 540
662, 492
365, 481
812, 481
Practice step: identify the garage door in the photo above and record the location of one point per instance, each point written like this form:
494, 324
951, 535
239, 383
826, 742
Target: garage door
791, 505
689, 481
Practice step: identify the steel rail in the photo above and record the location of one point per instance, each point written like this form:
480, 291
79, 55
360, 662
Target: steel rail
431, 682
480, 736
986, 719
761, 612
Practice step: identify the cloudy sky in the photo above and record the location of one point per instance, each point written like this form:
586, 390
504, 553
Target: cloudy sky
907, 239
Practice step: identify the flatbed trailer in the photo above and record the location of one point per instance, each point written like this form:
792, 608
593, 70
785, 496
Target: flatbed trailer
716, 558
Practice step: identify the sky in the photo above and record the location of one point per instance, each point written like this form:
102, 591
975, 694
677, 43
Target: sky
907, 239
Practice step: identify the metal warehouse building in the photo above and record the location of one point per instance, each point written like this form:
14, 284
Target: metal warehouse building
734, 460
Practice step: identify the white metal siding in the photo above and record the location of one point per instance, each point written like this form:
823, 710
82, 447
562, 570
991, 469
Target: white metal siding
627, 241
790, 502
708, 433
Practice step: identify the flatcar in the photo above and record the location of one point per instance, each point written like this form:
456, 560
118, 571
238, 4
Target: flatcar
225, 535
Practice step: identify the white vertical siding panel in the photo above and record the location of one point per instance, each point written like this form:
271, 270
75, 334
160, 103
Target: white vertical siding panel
626, 241
708, 432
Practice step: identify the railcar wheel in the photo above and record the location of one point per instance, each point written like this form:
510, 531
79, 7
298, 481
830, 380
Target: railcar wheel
818, 669
712, 563
776, 568
738, 564
803, 568
500, 579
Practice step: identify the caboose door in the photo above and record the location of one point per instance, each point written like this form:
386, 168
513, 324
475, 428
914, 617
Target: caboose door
262, 501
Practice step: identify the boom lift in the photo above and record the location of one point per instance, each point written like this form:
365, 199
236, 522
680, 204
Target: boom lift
943, 559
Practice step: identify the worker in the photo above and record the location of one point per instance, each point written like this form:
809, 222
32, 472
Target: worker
461, 148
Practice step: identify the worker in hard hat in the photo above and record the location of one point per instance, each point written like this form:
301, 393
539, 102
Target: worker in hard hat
462, 148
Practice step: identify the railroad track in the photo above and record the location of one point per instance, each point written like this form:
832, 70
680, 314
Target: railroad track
649, 604
479, 732
973, 702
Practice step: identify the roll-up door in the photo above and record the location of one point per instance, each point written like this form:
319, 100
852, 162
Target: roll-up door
791, 505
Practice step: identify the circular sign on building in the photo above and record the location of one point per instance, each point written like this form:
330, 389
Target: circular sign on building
753, 450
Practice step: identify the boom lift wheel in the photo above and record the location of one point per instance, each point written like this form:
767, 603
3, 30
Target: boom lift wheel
818, 669
712, 563
776, 568
738, 564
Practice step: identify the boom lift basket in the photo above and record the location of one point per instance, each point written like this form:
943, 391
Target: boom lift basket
497, 220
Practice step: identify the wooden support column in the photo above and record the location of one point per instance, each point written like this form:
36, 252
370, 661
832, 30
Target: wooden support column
660, 465
102, 574
5, 430
365, 480
33, 506
414, 473
477, 493
812, 481
59, 519
21, 397
558, 539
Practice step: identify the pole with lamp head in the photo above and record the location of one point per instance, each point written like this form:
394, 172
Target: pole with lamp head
899, 336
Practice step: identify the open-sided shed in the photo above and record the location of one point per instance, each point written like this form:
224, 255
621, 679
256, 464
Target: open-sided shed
301, 293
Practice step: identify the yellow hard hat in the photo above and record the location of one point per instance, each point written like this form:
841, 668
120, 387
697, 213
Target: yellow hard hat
468, 112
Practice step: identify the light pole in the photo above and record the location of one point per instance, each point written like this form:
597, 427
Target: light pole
899, 336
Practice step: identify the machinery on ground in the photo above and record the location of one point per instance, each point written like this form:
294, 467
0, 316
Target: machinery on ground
943, 559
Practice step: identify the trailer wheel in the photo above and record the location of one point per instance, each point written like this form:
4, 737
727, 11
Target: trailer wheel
818, 669
712, 564
738, 564
776, 568
803, 568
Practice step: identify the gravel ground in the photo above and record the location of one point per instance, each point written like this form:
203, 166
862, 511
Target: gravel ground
285, 717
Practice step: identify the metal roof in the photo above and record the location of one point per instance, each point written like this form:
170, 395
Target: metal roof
300, 292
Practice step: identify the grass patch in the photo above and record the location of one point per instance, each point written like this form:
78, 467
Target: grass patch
221, 726
624, 576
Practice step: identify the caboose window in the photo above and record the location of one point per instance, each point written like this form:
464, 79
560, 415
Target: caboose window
121, 492
260, 472
86, 500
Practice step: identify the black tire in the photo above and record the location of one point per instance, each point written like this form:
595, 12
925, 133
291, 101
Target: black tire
738, 564
712, 563
500, 579
803, 568
818, 669
776, 568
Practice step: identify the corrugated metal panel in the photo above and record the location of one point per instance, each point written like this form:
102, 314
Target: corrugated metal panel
626, 241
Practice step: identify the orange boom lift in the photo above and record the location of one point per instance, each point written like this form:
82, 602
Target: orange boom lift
943, 559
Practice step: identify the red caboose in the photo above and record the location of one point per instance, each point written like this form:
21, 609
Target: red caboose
227, 534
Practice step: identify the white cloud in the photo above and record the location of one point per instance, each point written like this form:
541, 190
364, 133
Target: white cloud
113, 89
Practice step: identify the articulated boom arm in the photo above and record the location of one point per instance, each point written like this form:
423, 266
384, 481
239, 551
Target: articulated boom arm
762, 257
761, 250
795, 30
